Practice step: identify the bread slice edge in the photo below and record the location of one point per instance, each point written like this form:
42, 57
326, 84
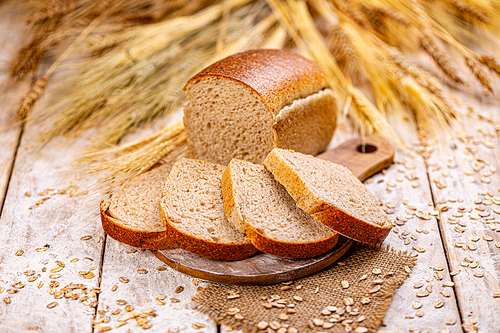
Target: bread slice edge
135, 238
259, 239
331, 216
205, 248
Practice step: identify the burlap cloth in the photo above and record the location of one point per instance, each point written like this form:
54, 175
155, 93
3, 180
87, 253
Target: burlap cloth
351, 295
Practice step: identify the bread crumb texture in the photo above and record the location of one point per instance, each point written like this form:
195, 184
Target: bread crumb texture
330, 193
193, 212
273, 222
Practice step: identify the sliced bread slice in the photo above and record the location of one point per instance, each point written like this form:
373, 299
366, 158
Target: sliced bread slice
331, 194
256, 204
192, 211
132, 215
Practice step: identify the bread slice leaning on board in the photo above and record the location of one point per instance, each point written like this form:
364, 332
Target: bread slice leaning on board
192, 211
256, 204
331, 194
132, 215
249, 103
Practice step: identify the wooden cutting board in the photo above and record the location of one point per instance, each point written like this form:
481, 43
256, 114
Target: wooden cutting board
363, 159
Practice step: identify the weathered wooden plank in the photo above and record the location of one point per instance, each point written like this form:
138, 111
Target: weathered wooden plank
465, 183
151, 285
399, 191
9, 97
41, 229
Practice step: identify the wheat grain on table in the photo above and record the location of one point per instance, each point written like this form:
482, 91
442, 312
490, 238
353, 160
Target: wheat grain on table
60, 273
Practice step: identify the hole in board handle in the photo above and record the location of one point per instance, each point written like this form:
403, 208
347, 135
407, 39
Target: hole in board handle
366, 148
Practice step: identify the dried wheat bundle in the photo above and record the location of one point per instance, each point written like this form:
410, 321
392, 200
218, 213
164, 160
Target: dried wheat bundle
136, 75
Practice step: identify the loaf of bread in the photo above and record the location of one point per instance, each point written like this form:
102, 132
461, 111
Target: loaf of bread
249, 103
192, 210
256, 204
331, 194
132, 215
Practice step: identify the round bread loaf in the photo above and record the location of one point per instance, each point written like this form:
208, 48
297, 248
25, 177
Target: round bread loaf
331, 194
249, 103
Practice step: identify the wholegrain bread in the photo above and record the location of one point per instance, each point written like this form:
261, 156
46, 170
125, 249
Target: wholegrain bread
331, 194
256, 204
132, 215
192, 211
247, 104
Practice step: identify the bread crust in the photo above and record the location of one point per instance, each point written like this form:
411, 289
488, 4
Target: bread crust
141, 239
331, 216
288, 249
278, 76
206, 248
260, 240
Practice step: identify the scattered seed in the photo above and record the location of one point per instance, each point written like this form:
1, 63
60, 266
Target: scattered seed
375, 289
361, 329
451, 321
179, 289
438, 304
52, 305
275, 325
422, 294
298, 298
416, 305
84, 238
19, 253
345, 284
488, 238
7, 300
377, 271
142, 271
121, 302
283, 316
123, 279
496, 295
478, 275
419, 314
365, 300
114, 288
448, 284
318, 322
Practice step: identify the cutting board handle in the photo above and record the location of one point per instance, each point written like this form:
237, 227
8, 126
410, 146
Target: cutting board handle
363, 157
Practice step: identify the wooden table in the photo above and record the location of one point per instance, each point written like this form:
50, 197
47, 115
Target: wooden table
441, 198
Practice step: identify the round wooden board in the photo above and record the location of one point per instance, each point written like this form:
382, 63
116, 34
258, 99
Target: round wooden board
363, 157
262, 268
